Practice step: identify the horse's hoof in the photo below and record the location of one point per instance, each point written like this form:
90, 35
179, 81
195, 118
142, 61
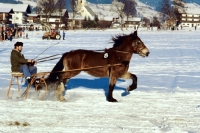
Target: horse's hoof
63, 100
130, 88
112, 100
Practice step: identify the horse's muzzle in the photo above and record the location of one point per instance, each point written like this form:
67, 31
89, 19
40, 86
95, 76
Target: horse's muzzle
144, 52
147, 54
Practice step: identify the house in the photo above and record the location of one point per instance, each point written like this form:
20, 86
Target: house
20, 12
75, 22
191, 16
133, 22
33, 18
6, 15
58, 18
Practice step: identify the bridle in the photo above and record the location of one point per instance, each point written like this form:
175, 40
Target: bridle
137, 43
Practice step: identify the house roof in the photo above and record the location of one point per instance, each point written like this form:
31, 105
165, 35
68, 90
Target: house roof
17, 7
77, 17
33, 15
57, 12
107, 18
89, 10
6, 10
135, 19
191, 8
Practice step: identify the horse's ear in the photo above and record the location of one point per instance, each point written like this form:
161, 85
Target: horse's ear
135, 33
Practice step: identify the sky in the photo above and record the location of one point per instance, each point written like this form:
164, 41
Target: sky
167, 99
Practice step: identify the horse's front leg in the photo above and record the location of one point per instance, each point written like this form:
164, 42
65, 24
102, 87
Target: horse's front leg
112, 83
133, 86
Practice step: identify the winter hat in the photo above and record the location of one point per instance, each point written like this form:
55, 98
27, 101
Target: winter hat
18, 44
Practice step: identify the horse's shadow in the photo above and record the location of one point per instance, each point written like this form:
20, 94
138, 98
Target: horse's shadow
2, 50
97, 83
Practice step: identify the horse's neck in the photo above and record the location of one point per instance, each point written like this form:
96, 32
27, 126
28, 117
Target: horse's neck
121, 54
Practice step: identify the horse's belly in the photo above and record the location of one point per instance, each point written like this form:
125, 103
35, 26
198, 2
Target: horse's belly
98, 72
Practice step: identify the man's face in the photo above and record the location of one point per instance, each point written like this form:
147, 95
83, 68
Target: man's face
19, 48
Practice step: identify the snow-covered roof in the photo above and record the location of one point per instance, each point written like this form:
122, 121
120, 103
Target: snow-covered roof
57, 12
6, 10
108, 18
191, 8
32, 15
15, 7
89, 10
136, 19
77, 16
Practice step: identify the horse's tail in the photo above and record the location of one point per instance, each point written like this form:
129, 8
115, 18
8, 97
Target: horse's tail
58, 67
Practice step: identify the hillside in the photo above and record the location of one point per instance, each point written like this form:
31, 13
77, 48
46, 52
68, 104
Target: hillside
156, 3
153, 3
103, 10
145, 8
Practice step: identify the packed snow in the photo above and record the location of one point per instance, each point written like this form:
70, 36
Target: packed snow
167, 99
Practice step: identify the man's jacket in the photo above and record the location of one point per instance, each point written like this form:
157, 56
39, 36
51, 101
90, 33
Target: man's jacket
17, 59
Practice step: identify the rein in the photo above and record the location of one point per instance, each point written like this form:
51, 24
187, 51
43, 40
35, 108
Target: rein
82, 69
48, 58
46, 49
119, 51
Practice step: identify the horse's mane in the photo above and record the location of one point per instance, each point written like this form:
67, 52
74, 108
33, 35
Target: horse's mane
118, 39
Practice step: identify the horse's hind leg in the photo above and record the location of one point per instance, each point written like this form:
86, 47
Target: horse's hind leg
134, 80
59, 91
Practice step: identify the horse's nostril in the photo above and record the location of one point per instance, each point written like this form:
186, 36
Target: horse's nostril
147, 53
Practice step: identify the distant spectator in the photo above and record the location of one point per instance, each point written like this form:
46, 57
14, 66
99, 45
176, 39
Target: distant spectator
26, 35
151, 26
63, 35
10, 35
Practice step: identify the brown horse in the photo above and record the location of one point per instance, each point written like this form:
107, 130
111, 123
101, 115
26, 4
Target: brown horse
101, 64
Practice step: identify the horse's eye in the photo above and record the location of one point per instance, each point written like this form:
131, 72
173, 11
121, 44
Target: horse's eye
138, 43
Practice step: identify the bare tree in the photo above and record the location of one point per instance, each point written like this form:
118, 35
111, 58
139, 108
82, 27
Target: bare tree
166, 9
60, 6
48, 7
156, 21
129, 8
74, 7
118, 7
146, 21
179, 7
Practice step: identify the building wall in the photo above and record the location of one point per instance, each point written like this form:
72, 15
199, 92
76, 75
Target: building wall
190, 20
85, 13
17, 18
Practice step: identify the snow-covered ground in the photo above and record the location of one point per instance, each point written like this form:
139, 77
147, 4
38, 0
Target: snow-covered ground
167, 99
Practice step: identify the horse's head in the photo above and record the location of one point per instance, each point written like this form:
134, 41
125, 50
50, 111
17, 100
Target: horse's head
138, 46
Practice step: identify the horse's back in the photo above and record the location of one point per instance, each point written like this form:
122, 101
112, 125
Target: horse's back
85, 58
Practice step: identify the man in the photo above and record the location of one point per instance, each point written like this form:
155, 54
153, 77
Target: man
19, 63
63, 35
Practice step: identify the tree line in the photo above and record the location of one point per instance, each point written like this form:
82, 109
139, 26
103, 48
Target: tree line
124, 8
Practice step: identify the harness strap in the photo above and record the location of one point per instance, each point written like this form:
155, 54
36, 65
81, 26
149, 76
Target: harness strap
48, 58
